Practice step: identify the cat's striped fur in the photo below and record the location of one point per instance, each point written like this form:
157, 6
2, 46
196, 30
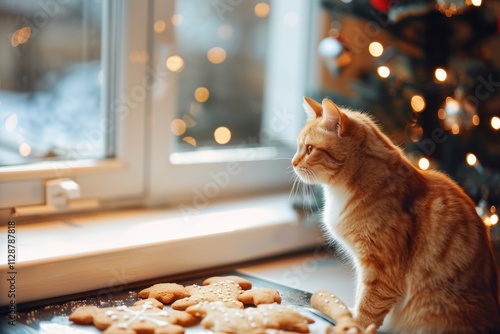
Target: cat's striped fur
421, 252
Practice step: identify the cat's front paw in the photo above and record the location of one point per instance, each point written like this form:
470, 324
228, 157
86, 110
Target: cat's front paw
365, 322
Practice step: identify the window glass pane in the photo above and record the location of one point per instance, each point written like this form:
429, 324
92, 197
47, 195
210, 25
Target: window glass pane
50, 81
220, 57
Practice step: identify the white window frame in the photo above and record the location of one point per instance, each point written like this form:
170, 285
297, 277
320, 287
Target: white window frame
197, 179
144, 170
108, 179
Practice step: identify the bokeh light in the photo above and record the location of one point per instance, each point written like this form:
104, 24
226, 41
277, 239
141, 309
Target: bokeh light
190, 140
495, 122
178, 127
216, 55
160, 26
201, 94
440, 74
424, 163
222, 135
417, 103
476, 3
20, 36
376, 49
175, 63
383, 71
262, 9
24, 149
476, 120
11, 123
471, 159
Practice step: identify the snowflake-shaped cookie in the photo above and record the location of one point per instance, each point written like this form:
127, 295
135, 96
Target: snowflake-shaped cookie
221, 319
145, 316
226, 292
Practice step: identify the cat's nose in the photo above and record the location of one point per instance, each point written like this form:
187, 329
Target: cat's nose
295, 162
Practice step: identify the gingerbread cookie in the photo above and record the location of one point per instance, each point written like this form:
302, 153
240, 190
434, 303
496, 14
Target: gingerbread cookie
219, 288
145, 316
165, 292
226, 291
243, 283
260, 296
333, 307
221, 319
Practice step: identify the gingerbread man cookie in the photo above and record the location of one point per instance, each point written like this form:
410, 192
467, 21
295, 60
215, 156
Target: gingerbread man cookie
165, 292
221, 319
226, 292
145, 316
260, 296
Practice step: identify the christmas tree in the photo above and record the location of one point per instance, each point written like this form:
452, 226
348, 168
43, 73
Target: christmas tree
429, 71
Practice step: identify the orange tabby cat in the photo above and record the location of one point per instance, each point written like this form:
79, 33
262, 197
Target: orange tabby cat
421, 252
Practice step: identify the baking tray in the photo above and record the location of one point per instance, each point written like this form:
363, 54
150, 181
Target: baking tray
51, 317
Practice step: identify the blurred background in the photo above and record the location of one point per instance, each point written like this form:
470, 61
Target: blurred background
429, 71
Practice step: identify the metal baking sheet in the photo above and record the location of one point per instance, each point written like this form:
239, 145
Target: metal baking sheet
53, 317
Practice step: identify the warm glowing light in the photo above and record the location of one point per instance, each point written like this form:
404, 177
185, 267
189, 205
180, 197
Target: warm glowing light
291, 19
216, 55
493, 219
476, 3
455, 129
160, 26
383, 71
440, 74
376, 49
11, 123
201, 94
24, 149
178, 127
475, 120
424, 163
452, 107
262, 9
495, 122
190, 140
175, 63
222, 135
471, 159
493, 209
20, 36
442, 113
417, 103
176, 19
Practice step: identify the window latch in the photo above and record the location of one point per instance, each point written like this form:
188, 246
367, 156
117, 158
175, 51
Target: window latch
61, 195
59, 191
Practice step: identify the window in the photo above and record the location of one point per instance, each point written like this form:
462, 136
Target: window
51, 82
181, 101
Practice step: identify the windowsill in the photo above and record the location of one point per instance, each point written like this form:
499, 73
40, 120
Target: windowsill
104, 250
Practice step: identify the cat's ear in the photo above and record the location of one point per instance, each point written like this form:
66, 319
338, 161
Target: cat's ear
335, 119
313, 109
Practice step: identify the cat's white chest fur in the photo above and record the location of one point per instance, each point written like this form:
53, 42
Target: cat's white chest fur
336, 199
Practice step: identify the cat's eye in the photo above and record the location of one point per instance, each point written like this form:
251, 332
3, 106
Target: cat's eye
309, 149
